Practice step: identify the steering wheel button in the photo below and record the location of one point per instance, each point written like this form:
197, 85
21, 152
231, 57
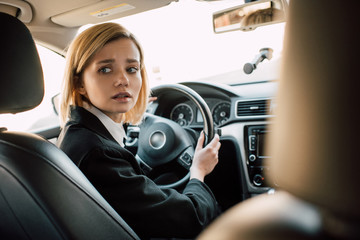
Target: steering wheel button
186, 158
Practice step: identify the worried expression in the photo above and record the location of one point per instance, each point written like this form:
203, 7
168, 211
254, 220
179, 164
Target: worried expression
112, 80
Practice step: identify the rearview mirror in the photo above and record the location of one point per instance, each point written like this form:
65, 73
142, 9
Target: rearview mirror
249, 16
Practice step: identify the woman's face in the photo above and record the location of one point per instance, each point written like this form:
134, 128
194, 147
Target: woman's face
112, 80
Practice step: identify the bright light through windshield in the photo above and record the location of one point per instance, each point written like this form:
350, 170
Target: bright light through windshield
180, 44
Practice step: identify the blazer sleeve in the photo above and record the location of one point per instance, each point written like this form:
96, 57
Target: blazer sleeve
149, 210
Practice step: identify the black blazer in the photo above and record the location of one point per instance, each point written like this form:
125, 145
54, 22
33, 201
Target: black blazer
115, 173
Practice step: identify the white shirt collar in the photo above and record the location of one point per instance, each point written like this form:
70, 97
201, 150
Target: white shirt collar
116, 129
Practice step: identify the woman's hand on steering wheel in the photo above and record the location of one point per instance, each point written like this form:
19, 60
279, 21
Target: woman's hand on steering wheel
205, 158
162, 142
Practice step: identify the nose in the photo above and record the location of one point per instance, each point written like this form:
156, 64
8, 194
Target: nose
121, 79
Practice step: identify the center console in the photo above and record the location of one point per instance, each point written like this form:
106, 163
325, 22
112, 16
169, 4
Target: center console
257, 160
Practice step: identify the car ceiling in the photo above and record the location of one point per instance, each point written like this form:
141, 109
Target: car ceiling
54, 23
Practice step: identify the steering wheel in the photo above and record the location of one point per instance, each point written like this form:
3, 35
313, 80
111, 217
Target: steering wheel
163, 141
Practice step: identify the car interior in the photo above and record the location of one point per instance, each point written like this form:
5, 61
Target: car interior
288, 162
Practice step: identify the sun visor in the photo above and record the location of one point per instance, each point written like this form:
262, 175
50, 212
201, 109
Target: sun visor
105, 10
20, 9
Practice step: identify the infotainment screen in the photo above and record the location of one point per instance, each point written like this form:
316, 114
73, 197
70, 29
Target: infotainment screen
260, 144
256, 142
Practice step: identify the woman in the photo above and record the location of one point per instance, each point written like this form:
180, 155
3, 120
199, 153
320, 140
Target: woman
105, 86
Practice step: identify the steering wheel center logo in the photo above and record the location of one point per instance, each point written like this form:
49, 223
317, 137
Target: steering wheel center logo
157, 139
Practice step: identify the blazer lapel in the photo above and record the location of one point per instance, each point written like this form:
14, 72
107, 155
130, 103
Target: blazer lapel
90, 121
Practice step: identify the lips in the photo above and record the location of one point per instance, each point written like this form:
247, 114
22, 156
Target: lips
121, 96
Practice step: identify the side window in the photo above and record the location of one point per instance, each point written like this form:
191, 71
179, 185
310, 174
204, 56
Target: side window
43, 116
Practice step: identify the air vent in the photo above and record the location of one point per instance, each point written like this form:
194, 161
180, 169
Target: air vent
252, 108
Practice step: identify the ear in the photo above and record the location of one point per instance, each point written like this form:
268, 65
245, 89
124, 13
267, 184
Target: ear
80, 88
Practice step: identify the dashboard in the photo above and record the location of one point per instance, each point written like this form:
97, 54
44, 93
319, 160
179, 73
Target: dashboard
243, 113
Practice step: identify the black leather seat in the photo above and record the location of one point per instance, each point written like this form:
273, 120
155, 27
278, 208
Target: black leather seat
43, 195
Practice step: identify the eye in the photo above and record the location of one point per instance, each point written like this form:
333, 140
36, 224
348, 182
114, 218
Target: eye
104, 70
132, 69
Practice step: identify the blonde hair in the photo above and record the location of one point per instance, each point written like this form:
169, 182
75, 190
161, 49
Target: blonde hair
79, 55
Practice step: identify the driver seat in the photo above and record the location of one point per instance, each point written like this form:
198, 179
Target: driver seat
43, 195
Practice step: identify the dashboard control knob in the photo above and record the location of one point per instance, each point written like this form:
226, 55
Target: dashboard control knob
258, 180
252, 157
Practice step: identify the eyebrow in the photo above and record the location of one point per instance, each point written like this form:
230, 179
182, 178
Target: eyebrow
111, 60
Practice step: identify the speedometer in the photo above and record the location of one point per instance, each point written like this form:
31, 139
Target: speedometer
221, 113
182, 114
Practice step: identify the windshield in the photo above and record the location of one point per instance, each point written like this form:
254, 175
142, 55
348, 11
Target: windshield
180, 45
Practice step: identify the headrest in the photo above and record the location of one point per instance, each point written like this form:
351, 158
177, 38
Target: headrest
315, 137
21, 77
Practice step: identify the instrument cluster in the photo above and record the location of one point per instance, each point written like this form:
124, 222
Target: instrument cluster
187, 114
